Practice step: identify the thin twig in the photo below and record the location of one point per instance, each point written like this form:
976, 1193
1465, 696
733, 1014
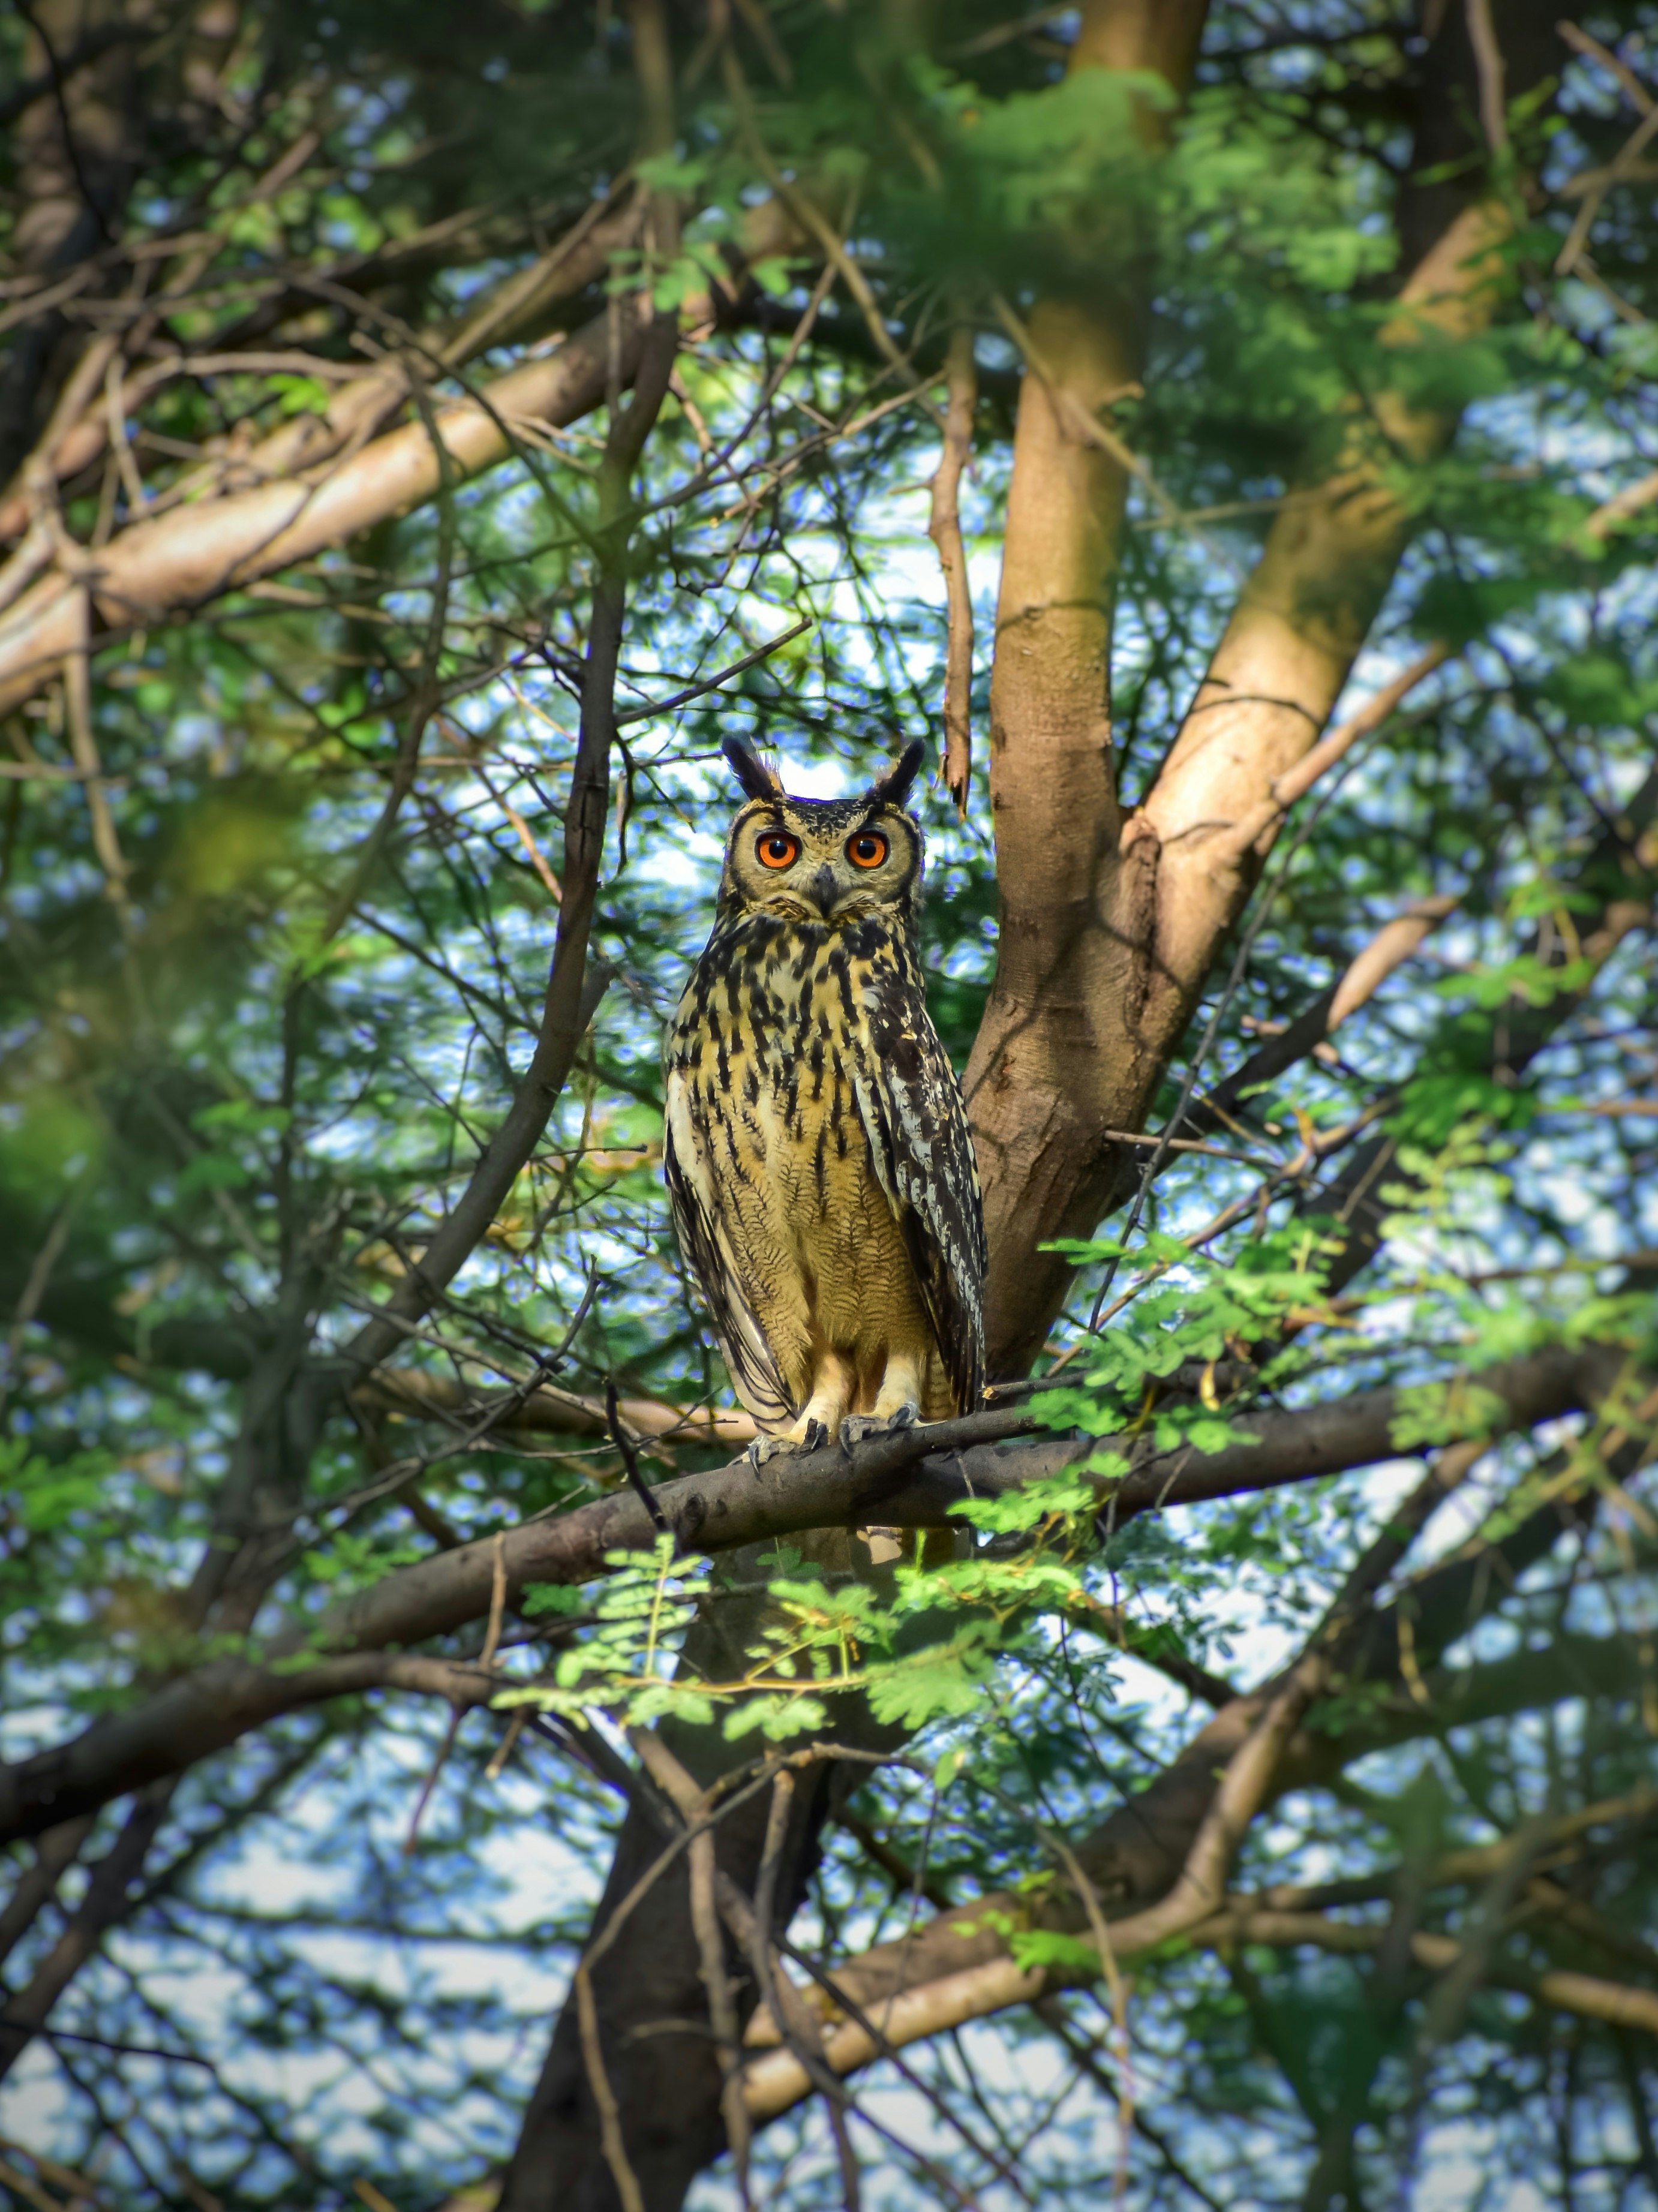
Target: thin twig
624, 1444
497, 1602
1488, 59
692, 1805
77, 700
1118, 1990
713, 683
610, 2114
430, 1783
810, 219
1591, 50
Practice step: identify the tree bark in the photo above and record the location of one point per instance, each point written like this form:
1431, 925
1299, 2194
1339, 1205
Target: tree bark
956, 1968
182, 561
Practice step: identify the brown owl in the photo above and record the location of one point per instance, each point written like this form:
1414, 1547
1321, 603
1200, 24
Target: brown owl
817, 1154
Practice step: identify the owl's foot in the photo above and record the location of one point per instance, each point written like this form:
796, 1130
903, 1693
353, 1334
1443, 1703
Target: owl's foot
813, 1438
857, 1426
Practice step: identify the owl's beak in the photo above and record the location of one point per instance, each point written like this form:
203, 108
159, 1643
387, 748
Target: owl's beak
824, 890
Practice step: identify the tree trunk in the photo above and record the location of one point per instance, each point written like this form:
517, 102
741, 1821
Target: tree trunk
667, 2085
654, 2029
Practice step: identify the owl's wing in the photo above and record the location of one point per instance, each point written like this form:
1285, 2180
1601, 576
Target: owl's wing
693, 1194
911, 1106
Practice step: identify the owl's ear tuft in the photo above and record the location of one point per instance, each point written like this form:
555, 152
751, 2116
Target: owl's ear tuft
893, 788
752, 773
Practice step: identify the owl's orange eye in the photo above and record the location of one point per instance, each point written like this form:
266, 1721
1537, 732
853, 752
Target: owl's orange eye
777, 849
867, 850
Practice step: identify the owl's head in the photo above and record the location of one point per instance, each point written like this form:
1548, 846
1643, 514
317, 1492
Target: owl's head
822, 859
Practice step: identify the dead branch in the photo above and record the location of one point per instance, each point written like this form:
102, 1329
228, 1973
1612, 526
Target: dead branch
944, 529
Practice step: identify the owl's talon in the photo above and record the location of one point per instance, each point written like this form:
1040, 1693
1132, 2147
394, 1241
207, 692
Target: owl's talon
857, 1426
814, 1437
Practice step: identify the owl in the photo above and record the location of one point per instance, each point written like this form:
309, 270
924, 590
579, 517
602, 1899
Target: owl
817, 1155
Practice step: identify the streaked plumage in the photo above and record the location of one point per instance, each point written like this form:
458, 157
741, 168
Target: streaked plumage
817, 1153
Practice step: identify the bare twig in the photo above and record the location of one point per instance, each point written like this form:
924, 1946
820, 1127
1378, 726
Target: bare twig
55, 1851
624, 1444
610, 2114
104, 1900
456, 1715
693, 1806
425, 699
83, 744
1571, 254
1118, 1989
944, 529
1622, 505
525, 837
1336, 742
1488, 60
713, 683
1591, 50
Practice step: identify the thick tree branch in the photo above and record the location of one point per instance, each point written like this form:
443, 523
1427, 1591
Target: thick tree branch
1036, 1062
1111, 919
356, 406
904, 1480
183, 560
944, 529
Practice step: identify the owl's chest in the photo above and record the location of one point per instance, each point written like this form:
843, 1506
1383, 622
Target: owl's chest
773, 1041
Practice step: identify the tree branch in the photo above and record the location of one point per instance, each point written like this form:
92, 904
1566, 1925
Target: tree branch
908, 1479
944, 529
958, 1968
181, 561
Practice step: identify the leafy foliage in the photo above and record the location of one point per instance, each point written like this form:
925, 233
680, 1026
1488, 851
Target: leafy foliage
249, 1065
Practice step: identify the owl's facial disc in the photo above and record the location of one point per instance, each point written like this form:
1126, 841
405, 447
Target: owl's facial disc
822, 861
